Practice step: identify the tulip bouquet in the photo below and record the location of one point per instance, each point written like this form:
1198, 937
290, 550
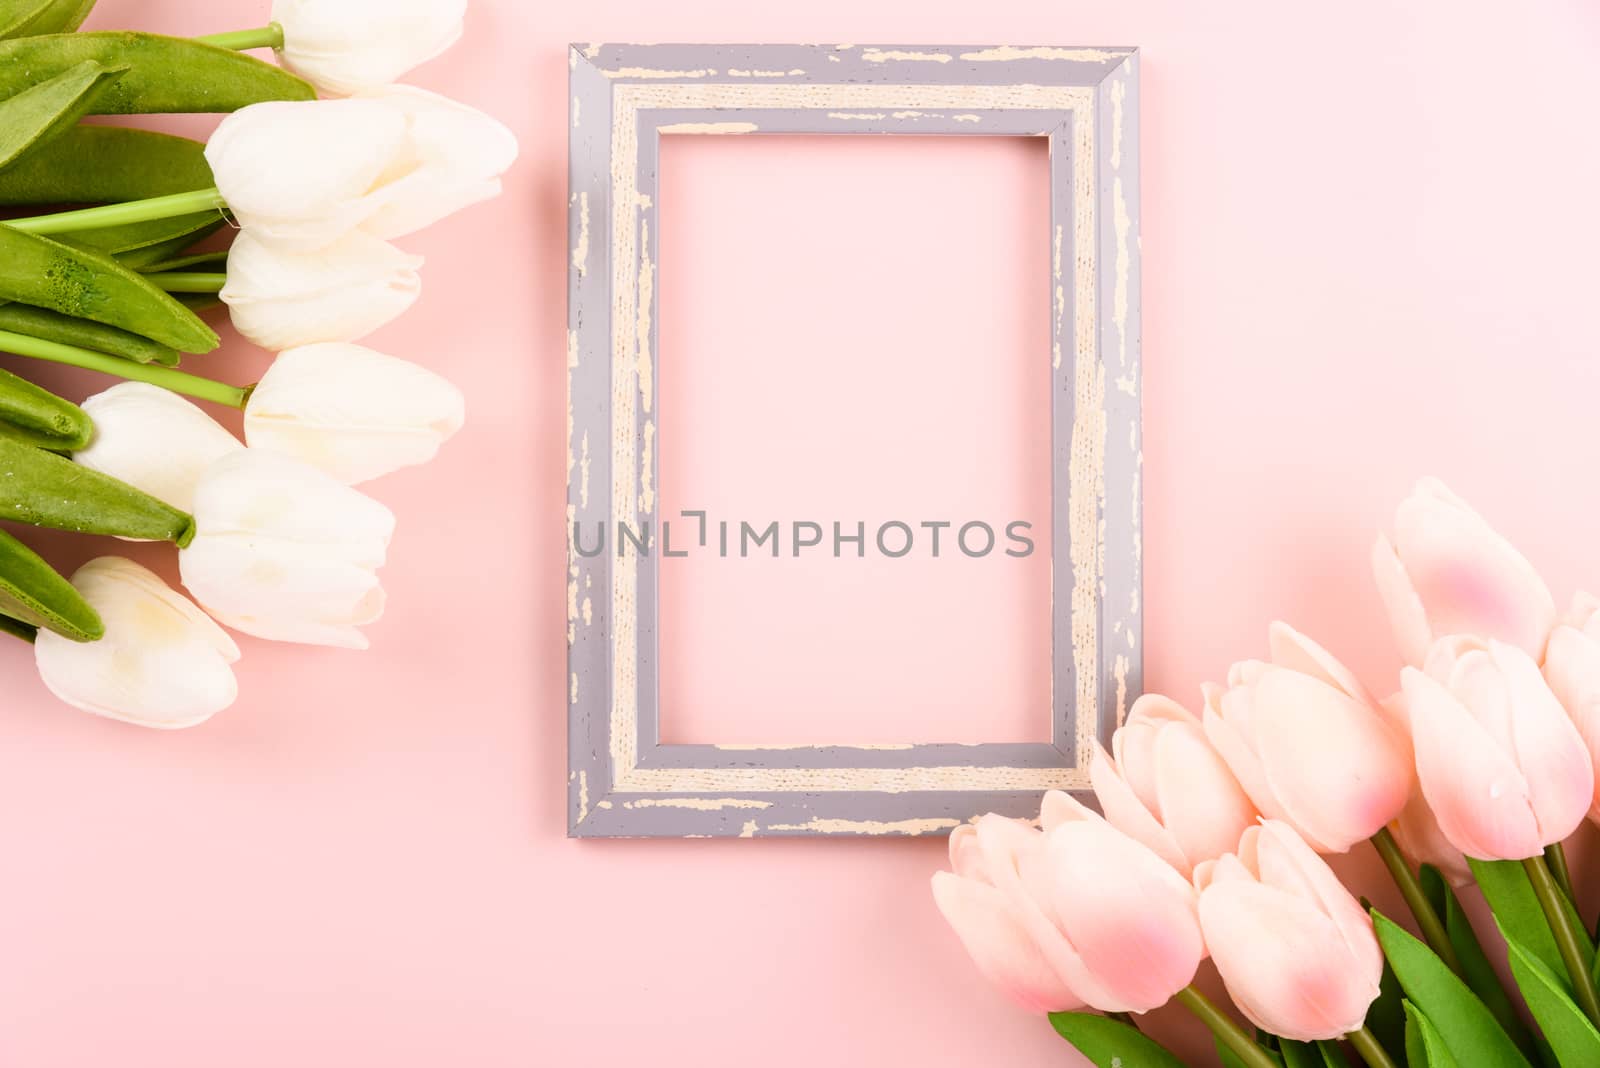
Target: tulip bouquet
1212, 828
272, 539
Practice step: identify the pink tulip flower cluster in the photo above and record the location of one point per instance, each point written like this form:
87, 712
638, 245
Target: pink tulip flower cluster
1214, 825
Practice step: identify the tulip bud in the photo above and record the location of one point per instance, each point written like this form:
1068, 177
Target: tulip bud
300, 174
280, 299
350, 411
1294, 949
1572, 668
341, 46
1501, 765
286, 552
1167, 788
162, 662
1130, 935
1448, 572
154, 440
996, 923
1308, 744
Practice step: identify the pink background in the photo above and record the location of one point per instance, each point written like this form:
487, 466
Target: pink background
1368, 254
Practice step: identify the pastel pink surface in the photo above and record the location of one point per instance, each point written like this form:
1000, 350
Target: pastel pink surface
1367, 256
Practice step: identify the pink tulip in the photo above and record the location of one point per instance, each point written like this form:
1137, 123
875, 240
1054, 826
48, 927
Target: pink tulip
1167, 787
1308, 744
1448, 572
1078, 914
1501, 765
996, 922
1572, 668
1294, 949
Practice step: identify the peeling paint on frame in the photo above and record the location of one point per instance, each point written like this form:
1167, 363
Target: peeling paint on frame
1085, 101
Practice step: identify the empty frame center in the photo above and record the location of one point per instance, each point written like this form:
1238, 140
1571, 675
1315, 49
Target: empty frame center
854, 459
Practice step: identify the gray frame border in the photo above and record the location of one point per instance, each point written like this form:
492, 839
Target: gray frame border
622, 782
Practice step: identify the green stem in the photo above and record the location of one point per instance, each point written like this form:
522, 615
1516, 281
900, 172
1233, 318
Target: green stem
1556, 915
1556, 857
1433, 930
188, 281
241, 40
1224, 1029
1371, 1050
18, 629
131, 211
165, 377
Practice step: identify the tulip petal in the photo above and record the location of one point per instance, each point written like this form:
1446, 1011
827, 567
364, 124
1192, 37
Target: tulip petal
1470, 579
1293, 650
1407, 617
352, 412
154, 440
1124, 811
1572, 669
1059, 807
299, 172
1129, 916
162, 663
1283, 962
1235, 750
1335, 766
1475, 791
999, 945
1285, 861
344, 46
1549, 750
282, 299
1203, 806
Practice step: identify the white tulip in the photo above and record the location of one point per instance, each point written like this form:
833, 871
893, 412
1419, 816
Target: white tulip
284, 551
300, 174
280, 299
154, 440
350, 411
345, 45
162, 662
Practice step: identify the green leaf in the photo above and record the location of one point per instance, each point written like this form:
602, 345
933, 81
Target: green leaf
1231, 1059
32, 593
34, 414
106, 165
1479, 974
165, 74
1571, 1035
1469, 1029
65, 330
24, 18
86, 285
1425, 1047
44, 110
1111, 1043
1516, 909
46, 490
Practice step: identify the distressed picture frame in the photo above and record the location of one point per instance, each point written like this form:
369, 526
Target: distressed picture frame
622, 780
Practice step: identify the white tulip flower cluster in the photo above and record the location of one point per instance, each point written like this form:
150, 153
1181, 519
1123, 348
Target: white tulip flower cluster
284, 548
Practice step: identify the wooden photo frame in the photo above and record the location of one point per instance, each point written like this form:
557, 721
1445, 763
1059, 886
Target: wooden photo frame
622, 780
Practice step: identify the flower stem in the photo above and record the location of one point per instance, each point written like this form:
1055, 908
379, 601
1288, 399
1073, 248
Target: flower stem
1371, 1050
1556, 857
1224, 1029
241, 40
1555, 914
1433, 930
188, 281
165, 377
131, 211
